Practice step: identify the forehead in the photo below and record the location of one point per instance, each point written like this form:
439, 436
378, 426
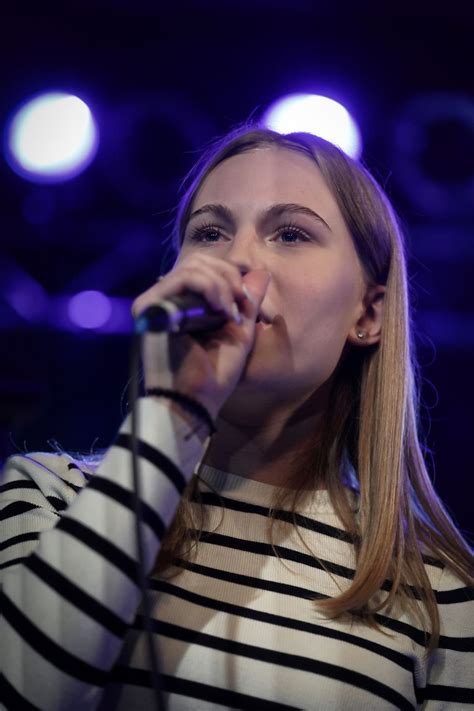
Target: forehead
267, 173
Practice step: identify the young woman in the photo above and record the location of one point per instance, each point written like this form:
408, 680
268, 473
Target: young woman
298, 556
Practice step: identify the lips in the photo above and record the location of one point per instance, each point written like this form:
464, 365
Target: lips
263, 321
263, 318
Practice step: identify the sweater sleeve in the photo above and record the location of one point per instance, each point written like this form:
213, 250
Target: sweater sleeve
450, 672
71, 590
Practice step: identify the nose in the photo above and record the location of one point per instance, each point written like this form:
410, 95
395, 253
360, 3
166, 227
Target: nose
243, 252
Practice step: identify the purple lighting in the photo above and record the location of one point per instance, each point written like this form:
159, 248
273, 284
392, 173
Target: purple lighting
89, 309
28, 299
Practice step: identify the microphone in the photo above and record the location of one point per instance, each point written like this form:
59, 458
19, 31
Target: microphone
182, 313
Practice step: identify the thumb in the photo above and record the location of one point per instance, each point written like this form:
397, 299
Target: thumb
256, 283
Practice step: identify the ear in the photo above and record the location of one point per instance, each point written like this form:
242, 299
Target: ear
369, 324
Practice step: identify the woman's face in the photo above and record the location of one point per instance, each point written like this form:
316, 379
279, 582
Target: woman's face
315, 296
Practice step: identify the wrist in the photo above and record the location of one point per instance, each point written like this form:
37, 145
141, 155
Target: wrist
192, 409
197, 425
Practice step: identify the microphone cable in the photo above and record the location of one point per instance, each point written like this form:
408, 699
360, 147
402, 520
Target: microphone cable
187, 312
155, 672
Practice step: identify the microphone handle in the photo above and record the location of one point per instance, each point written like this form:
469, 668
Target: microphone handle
184, 313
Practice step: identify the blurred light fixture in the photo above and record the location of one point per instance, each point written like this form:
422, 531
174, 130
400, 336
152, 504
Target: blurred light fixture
89, 309
318, 115
51, 138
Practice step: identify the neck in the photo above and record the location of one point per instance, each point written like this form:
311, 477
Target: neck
267, 445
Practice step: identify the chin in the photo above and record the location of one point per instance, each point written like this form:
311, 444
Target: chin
256, 367
248, 402
257, 377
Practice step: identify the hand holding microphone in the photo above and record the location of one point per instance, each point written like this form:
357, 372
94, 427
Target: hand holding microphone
208, 364
185, 313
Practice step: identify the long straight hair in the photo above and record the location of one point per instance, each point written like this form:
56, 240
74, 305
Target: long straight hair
373, 420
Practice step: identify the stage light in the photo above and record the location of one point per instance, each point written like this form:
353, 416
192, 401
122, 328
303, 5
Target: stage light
319, 115
89, 309
51, 138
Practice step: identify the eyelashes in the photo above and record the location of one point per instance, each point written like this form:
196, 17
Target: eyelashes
198, 233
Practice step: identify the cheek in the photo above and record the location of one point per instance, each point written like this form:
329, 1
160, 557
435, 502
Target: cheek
329, 298
309, 335
320, 319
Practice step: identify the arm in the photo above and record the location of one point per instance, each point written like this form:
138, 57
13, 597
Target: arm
67, 606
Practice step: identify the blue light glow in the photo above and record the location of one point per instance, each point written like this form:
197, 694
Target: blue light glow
318, 115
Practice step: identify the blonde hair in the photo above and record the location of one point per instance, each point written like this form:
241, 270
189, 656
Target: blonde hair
372, 424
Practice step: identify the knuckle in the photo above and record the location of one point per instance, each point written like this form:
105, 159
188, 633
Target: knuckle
194, 261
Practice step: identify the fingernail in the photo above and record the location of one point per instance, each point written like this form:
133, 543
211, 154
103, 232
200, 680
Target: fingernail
249, 295
236, 313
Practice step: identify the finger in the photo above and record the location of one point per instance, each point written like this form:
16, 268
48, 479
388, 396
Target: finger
228, 270
213, 285
255, 287
201, 279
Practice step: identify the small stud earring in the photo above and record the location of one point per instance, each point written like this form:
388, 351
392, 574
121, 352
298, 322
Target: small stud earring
360, 334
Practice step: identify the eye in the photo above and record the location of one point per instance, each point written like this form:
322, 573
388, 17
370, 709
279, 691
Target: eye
203, 232
199, 233
294, 231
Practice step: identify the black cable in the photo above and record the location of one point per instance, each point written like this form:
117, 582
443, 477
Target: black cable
156, 679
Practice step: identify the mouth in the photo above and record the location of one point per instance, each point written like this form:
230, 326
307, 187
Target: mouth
262, 323
263, 320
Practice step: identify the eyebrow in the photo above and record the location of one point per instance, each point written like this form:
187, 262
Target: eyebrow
273, 211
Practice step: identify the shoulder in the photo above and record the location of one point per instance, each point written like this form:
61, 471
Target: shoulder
454, 596
443, 577
35, 488
452, 589
53, 475
455, 601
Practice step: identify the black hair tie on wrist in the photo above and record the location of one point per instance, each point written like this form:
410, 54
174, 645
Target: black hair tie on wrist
189, 403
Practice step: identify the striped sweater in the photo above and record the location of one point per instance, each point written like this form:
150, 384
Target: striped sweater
238, 627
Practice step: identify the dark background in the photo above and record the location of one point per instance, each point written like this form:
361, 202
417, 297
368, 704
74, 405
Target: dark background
162, 82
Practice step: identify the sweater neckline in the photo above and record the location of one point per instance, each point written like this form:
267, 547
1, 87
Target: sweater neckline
257, 492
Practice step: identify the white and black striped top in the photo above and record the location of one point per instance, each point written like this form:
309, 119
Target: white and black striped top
237, 628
